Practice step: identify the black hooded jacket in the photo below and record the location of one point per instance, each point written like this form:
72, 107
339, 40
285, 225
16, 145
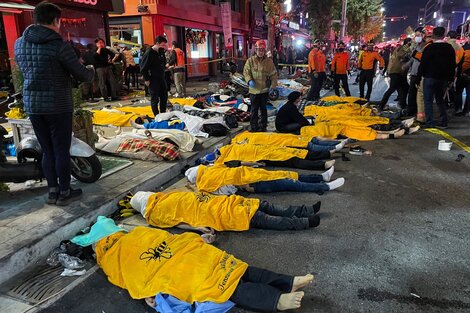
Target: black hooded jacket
48, 64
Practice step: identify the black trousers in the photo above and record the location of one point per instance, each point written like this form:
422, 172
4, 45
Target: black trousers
291, 128
412, 97
131, 72
258, 104
54, 133
366, 76
158, 96
270, 216
344, 82
296, 162
106, 78
397, 83
316, 85
260, 289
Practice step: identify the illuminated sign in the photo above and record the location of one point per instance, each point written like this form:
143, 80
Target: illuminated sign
294, 25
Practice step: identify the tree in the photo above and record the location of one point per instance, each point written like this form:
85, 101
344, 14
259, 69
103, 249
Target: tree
364, 19
320, 15
273, 15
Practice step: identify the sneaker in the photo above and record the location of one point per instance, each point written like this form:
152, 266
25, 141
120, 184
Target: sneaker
357, 150
413, 129
69, 197
52, 198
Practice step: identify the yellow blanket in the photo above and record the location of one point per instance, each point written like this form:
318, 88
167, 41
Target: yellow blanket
145, 110
200, 209
111, 118
341, 99
272, 139
148, 261
332, 131
254, 153
183, 101
350, 109
358, 121
211, 178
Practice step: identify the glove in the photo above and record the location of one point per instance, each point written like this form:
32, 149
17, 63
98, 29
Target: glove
251, 84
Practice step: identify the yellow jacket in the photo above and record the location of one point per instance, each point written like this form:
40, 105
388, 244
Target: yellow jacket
261, 71
254, 153
148, 261
210, 179
199, 209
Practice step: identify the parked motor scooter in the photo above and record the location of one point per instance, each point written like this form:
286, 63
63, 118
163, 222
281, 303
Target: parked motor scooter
85, 165
238, 86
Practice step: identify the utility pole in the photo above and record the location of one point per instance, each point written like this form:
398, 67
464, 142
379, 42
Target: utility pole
344, 19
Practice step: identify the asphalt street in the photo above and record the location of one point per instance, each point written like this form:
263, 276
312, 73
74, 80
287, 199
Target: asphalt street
394, 238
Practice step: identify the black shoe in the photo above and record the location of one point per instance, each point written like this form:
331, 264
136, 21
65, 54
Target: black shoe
115, 99
314, 221
442, 126
65, 198
316, 207
108, 99
52, 198
459, 113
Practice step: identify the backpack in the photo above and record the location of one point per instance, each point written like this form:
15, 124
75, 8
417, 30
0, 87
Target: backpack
231, 121
215, 130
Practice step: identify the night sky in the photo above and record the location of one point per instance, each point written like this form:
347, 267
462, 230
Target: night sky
409, 8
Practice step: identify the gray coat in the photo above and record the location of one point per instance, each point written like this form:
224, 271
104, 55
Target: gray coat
48, 64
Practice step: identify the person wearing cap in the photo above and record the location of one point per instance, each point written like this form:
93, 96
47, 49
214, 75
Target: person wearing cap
398, 73
366, 65
261, 74
437, 67
422, 38
148, 261
463, 81
288, 117
340, 68
316, 69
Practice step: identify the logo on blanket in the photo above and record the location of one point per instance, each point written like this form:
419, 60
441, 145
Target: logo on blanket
223, 265
203, 197
162, 251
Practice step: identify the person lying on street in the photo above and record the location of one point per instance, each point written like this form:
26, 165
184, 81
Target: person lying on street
149, 261
276, 156
224, 180
288, 117
204, 211
315, 144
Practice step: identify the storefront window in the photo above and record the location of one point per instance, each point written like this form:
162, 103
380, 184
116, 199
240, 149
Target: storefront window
127, 35
4, 62
197, 52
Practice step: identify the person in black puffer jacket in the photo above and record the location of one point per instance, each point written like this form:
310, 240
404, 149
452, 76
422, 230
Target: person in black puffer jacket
288, 118
48, 63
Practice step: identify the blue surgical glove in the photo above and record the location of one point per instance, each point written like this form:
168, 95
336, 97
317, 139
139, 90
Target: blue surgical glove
251, 83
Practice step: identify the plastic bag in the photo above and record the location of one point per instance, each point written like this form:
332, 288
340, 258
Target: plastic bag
70, 262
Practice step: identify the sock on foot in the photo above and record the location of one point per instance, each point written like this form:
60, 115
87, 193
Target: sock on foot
290, 301
327, 175
316, 207
336, 183
301, 282
340, 145
314, 221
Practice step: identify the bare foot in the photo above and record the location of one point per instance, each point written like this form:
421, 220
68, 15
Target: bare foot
151, 302
289, 301
302, 281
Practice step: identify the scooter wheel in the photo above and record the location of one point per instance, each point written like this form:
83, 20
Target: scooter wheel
87, 170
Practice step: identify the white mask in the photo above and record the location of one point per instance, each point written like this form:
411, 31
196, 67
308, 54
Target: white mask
418, 39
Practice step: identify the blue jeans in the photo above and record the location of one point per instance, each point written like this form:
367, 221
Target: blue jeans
318, 146
270, 216
306, 183
462, 83
434, 89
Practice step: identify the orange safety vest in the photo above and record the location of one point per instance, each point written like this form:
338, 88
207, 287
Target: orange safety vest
367, 60
419, 54
316, 61
179, 57
466, 61
340, 63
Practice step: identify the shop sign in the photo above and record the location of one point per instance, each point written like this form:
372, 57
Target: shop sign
294, 25
102, 5
226, 14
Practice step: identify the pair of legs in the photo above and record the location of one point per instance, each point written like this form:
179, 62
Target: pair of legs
316, 85
131, 72
258, 104
180, 83
54, 133
434, 89
105, 78
270, 216
343, 78
463, 83
413, 97
316, 145
396, 84
158, 96
366, 76
291, 128
296, 162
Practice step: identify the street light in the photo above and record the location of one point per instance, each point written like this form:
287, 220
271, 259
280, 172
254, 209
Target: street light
382, 10
288, 4
440, 20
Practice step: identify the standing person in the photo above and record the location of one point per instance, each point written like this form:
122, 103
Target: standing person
340, 69
463, 81
153, 67
459, 54
47, 63
398, 80
367, 67
316, 68
290, 59
387, 51
359, 54
177, 61
130, 68
89, 59
261, 74
438, 69
103, 59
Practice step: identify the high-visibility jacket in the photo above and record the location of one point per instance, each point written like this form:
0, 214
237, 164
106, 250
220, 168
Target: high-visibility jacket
148, 261
368, 58
466, 58
179, 57
211, 178
200, 209
316, 61
262, 71
272, 139
459, 51
340, 63
255, 153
